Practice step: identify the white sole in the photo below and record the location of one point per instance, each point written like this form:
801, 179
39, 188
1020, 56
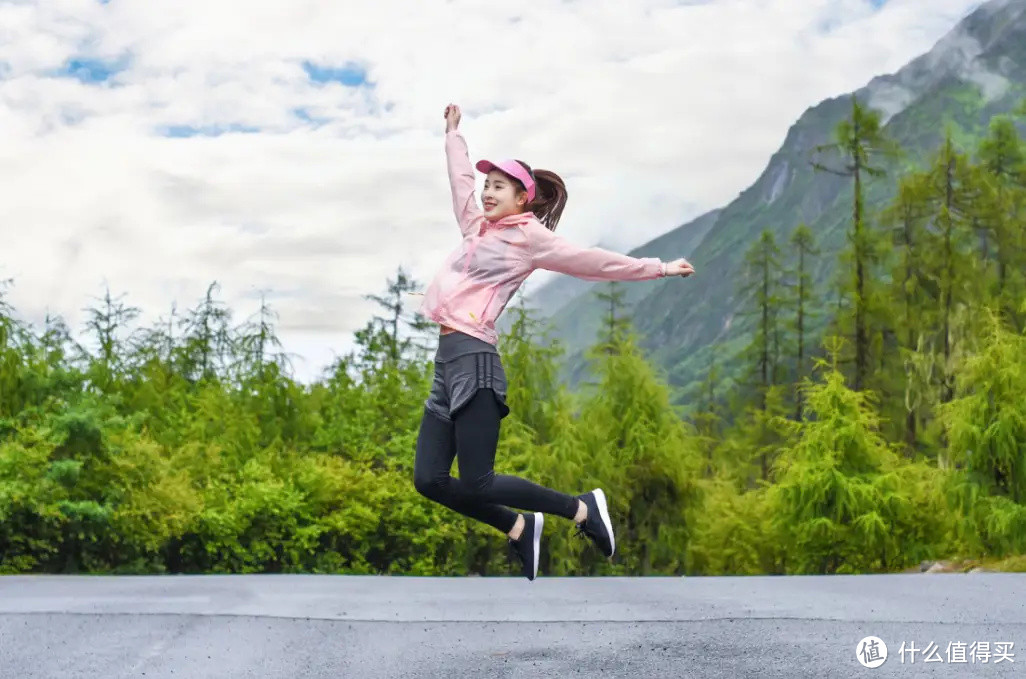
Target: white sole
539, 522
600, 500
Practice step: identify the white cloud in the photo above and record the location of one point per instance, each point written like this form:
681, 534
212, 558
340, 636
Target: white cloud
653, 110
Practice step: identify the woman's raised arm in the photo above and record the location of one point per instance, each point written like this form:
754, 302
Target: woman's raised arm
461, 173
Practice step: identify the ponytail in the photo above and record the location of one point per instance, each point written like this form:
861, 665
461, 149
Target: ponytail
550, 196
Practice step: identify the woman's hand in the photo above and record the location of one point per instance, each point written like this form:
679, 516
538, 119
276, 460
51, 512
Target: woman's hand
679, 267
452, 117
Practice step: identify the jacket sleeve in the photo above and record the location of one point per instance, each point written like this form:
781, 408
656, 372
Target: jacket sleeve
553, 253
461, 181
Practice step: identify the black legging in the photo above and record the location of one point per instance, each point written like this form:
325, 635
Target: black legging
479, 492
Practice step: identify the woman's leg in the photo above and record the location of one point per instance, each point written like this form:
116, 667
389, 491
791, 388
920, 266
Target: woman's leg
436, 448
477, 435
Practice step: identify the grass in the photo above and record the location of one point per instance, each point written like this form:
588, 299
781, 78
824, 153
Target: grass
1008, 564
1011, 564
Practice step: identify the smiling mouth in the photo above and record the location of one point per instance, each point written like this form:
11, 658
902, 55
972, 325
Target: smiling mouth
489, 206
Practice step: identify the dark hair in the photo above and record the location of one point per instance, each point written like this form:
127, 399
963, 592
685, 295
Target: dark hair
549, 196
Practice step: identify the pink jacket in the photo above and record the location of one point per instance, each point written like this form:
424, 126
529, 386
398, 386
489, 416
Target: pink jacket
479, 277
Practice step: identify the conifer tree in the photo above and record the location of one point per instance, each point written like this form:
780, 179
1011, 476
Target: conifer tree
986, 421
709, 418
207, 340
10, 358
861, 143
530, 359
392, 378
1003, 158
951, 264
56, 349
804, 247
615, 324
259, 346
386, 339
759, 284
907, 218
843, 502
643, 454
985, 424
108, 325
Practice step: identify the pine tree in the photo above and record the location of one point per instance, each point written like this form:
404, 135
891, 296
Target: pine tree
56, 348
645, 457
803, 246
844, 503
747, 451
385, 339
530, 359
615, 324
11, 401
1003, 157
108, 325
907, 217
987, 420
860, 141
207, 340
392, 379
259, 346
262, 370
985, 424
758, 284
951, 263
709, 418
157, 344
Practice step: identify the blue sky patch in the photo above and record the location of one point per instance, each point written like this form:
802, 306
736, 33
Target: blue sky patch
91, 71
305, 115
350, 75
205, 131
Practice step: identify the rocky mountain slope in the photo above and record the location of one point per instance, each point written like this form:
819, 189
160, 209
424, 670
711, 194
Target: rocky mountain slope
976, 71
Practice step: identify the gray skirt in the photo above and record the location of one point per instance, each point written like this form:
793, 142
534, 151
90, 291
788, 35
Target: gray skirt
464, 364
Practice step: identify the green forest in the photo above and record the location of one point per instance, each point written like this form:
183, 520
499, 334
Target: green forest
880, 422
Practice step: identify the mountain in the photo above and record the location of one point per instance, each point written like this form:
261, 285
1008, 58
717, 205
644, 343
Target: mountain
976, 71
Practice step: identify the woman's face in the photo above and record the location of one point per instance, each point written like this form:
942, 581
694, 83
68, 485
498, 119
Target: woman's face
502, 196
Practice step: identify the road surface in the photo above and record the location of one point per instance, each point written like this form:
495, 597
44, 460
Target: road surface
316, 626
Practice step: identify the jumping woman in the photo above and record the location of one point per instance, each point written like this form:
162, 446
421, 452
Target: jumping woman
502, 244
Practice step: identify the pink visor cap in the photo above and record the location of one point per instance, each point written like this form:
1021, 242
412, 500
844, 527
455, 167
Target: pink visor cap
513, 169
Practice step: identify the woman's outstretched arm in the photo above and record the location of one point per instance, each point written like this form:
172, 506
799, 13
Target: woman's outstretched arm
461, 174
553, 253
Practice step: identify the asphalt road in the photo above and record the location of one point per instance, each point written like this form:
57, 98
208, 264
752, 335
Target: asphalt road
343, 626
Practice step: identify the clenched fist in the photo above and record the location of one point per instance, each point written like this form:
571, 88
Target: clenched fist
452, 117
679, 267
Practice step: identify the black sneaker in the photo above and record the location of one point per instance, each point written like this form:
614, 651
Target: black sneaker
597, 526
528, 547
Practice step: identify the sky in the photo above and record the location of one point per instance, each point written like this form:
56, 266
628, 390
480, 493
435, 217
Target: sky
295, 149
